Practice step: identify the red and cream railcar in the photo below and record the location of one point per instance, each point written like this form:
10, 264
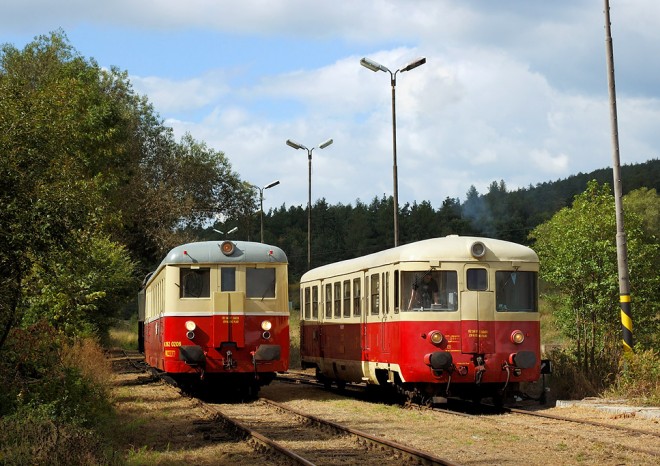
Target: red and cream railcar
453, 315
218, 311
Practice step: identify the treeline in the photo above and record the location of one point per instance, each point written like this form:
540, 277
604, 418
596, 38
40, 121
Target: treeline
346, 231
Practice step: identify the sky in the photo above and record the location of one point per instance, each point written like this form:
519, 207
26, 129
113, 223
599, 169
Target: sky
512, 90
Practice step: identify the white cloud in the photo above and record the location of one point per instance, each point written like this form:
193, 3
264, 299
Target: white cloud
511, 90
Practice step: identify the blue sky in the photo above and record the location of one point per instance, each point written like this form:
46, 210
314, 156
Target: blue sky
512, 90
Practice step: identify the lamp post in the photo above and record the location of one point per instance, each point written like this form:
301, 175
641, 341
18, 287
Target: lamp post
261, 202
373, 66
296, 145
233, 230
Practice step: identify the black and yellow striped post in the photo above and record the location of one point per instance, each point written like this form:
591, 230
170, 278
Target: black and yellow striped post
626, 322
621, 247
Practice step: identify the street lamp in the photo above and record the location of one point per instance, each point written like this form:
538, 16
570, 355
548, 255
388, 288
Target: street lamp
233, 230
373, 66
296, 145
261, 201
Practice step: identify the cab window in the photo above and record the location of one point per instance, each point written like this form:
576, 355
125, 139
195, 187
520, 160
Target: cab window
516, 291
260, 283
477, 279
228, 279
429, 290
195, 283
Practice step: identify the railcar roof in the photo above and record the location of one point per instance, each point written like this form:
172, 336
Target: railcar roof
208, 252
451, 248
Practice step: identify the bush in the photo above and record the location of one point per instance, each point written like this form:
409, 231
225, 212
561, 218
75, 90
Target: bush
55, 398
638, 380
27, 437
568, 381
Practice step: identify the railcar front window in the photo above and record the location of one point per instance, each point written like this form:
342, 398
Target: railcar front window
260, 283
429, 290
477, 279
228, 279
195, 283
516, 291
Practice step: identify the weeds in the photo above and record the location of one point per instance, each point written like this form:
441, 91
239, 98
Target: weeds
54, 399
638, 379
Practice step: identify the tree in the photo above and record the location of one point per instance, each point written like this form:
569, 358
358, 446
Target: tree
62, 147
87, 167
577, 249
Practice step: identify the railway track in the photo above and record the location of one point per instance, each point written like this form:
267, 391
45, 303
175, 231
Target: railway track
295, 377
609, 434
288, 437
273, 429
307, 440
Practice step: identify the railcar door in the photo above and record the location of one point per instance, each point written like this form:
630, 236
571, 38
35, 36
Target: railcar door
385, 327
365, 317
477, 311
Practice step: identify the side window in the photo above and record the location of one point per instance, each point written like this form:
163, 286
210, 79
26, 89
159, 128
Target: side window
347, 298
357, 297
195, 283
328, 300
375, 293
396, 292
228, 279
307, 303
386, 287
338, 299
260, 283
477, 279
315, 302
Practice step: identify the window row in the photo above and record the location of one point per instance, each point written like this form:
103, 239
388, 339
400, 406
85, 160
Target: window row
430, 290
196, 282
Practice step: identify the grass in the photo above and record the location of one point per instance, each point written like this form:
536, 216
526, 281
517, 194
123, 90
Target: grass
294, 335
124, 334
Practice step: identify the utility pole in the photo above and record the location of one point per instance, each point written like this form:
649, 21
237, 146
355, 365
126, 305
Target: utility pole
621, 245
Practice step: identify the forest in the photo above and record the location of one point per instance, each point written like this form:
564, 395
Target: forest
345, 231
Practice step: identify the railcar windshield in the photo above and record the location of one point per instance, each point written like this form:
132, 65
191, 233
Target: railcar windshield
429, 290
195, 283
260, 283
516, 291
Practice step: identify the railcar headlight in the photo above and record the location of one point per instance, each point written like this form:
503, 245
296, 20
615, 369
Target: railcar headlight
436, 337
227, 248
266, 325
190, 325
517, 337
478, 249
